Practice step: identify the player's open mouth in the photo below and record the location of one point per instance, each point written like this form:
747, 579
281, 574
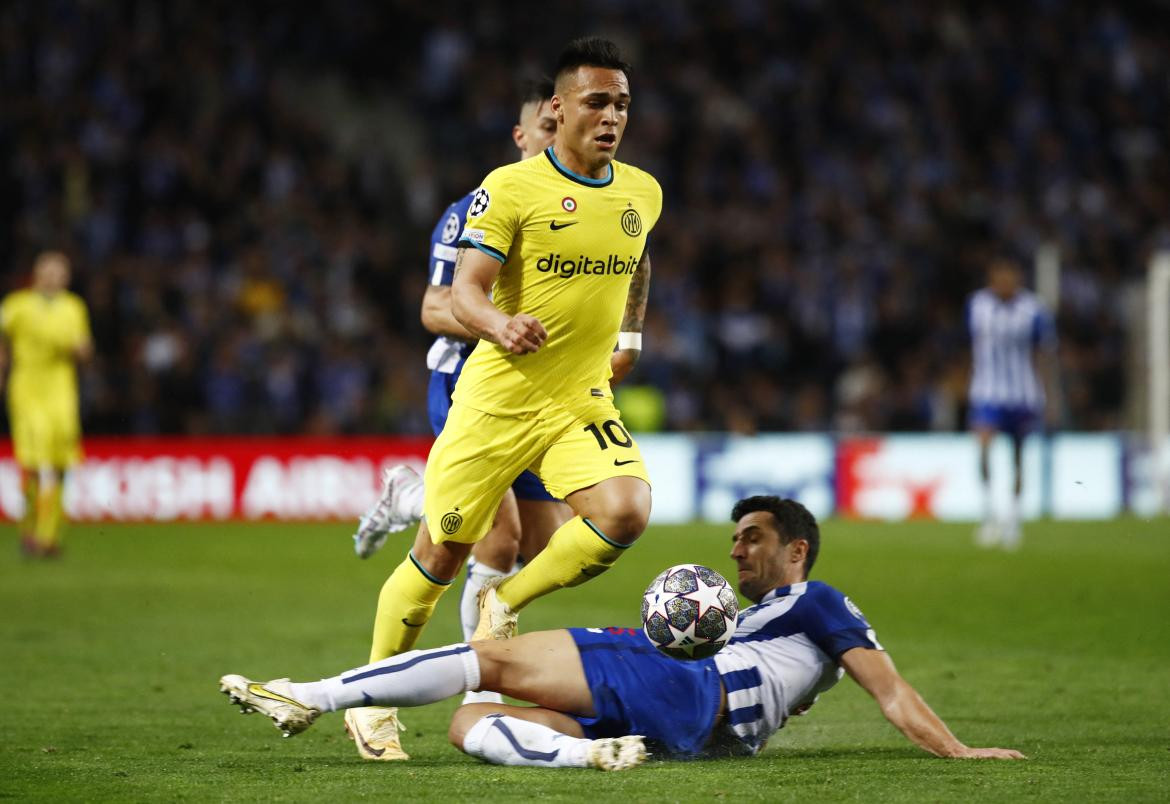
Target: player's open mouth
606, 140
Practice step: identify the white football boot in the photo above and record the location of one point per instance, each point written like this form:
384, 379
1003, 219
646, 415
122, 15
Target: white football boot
272, 698
616, 753
496, 618
387, 515
374, 730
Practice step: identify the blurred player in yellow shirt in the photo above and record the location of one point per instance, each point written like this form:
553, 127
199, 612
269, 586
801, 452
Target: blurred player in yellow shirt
46, 332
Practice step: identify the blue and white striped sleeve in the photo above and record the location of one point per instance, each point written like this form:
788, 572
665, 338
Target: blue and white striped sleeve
441, 257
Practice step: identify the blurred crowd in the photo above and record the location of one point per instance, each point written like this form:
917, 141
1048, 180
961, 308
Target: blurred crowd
248, 190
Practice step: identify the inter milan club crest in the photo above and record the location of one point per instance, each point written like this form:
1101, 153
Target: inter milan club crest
451, 522
632, 222
568, 204
479, 203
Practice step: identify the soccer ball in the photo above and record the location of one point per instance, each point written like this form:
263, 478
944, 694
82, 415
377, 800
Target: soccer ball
689, 611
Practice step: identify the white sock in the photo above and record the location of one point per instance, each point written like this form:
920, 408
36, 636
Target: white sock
411, 498
409, 679
504, 740
478, 574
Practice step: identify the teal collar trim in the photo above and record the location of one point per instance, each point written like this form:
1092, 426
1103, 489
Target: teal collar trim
571, 176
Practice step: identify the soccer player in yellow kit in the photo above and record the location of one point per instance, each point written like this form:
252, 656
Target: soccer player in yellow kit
48, 330
552, 272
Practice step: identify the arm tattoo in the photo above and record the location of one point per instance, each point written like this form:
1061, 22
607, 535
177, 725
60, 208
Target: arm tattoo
458, 262
635, 313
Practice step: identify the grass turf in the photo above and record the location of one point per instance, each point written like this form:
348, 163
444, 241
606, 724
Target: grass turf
110, 659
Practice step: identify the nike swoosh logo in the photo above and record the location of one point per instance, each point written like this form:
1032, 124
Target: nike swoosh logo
557, 226
357, 735
413, 625
623, 463
260, 691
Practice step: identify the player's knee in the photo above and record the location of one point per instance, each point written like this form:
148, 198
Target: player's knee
625, 519
461, 723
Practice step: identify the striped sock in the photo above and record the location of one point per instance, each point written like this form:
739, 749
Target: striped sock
504, 740
409, 679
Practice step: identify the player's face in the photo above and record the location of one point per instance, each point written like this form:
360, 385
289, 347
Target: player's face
536, 130
591, 109
1004, 279
763, 562
51, 273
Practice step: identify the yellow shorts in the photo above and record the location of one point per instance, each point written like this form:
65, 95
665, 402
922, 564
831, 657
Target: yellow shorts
45, 436
478, 455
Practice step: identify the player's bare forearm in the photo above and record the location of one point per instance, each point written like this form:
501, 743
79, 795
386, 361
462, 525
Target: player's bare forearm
437, 317
635, 314
633, 319
907, 711
472, 306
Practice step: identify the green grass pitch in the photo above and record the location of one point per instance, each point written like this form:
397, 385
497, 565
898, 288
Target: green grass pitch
110, 659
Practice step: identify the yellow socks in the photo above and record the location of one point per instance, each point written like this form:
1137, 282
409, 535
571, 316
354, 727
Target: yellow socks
404, 606
30, 486
577, 552
49, 515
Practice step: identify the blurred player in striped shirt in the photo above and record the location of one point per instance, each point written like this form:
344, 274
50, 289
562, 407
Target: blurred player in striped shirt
1012, 335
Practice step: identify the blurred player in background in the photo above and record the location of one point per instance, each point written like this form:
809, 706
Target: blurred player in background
1011, 333
551, 267
601, 693
527, 510
46, 330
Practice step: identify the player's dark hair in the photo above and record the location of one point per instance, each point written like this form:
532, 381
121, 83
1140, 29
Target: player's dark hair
536, 90
793, 521
590, 51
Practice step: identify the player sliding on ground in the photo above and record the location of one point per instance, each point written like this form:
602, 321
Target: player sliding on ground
551, 273
605, 697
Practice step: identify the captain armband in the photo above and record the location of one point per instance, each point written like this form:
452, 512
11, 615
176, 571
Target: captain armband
630, 340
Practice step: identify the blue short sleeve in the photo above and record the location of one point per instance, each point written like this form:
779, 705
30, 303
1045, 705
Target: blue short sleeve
836, 624
443, 242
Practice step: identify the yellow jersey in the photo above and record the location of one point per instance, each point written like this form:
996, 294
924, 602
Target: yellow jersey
569, 246
43, 332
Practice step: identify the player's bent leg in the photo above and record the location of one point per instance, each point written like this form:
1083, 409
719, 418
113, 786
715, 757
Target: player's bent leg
538, 737
405, 606
494, 556
581, 548
543, 668
409, 596
50, 510
539, 520
619, 506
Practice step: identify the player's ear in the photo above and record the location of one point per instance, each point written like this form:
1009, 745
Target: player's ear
798, 551
518, 136
558, 109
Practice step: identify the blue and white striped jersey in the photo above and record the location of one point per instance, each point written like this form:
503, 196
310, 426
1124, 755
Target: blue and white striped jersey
446, 355
1004, 335
783, 655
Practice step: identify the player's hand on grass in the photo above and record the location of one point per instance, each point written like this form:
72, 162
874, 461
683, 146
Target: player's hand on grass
522, 334
989, 753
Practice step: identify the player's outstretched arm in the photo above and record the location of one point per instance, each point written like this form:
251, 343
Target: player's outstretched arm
904, 707
630, 339
471, 303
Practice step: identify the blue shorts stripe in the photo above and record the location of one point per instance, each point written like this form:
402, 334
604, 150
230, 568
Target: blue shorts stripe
397, 668
742, 679
541, 756
745, 714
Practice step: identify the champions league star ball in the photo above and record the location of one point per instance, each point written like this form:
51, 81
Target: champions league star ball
689, 611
